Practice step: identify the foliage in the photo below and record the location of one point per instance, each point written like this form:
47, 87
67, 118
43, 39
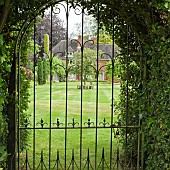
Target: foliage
24, 88
3, 155
9, 30
90, 31
116, 71
145, 77
44, 67
3, 152
43, 27
40, 72
89, 64
4, 68
89, 28
46, 43
105, 39
58, 68
157, 113
13, 15
145, 80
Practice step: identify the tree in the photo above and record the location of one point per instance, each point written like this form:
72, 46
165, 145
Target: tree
4, 67
116, 71
42, 71
44, 64
42, 58
43, 27
105, 39
141, 30
44, 32
58, 68
88, 69
5, 11
13, 15
89, 28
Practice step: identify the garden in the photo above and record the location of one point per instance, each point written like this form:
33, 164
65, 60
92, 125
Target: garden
58, 106
141, 30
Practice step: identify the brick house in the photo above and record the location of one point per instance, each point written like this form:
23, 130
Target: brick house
73, 46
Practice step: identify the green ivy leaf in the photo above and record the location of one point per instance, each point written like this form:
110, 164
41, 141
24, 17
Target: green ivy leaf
166, 5
3, 154
2, 59
1, 40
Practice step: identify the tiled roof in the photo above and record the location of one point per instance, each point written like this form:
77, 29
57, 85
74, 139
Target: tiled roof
105, 48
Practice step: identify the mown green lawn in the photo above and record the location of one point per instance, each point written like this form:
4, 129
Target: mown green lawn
58, 110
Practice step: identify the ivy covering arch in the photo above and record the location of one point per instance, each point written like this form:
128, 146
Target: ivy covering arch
145, 72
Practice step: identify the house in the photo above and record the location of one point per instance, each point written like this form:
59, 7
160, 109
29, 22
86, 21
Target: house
60, 50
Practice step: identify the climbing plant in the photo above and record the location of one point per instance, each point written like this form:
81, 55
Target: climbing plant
142, 31
89, 64
117, 69
4, 67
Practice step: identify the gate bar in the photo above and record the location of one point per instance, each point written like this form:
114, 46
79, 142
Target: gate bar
34, 122
51, 60
112, 113
66, 109
97, 85
81, 104
85, 127
127, 90
18, 89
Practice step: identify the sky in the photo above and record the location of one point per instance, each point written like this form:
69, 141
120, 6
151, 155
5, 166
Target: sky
75, 18
72, 21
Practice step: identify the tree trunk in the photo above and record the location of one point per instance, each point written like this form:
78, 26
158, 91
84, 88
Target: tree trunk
4, 15
11, 143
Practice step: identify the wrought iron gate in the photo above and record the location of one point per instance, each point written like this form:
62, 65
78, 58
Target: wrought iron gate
67, 132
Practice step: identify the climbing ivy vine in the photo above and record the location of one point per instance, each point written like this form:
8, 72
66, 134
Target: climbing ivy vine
142, 31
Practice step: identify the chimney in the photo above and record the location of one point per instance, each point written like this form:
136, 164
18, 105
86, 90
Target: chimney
94, 39
79, 42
